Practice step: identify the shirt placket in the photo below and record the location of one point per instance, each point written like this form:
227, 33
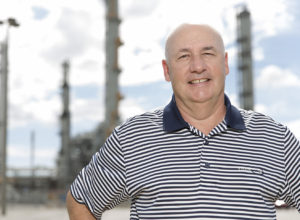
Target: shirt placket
205, 141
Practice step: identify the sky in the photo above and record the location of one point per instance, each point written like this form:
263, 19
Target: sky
52, 31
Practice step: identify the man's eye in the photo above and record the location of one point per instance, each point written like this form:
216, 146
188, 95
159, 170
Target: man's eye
208, 54
183, 56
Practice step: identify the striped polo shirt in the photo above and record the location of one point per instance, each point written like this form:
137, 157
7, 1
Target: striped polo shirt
170, 170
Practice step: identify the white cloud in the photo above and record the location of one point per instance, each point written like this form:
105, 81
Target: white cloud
258, 54
75, 30
88, 69
38, 47
142, 66
75, 37
41, 110
21, 117
19, 155
87, 110
133, 9
232, 57
270, 17
233, 99
261, 108
45, 110
258, 107
274, 77
294, 126
129, 107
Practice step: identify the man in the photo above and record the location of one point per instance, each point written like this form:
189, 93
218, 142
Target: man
199, 157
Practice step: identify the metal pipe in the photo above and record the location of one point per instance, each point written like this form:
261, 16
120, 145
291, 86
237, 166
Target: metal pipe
3, 119
4, 108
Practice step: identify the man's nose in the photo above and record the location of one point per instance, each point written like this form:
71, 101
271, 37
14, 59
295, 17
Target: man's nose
197, 65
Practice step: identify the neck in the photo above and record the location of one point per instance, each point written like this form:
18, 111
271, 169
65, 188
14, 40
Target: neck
203, 116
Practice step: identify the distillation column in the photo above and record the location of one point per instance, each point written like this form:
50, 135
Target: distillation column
245, 78
113, 42
65, 166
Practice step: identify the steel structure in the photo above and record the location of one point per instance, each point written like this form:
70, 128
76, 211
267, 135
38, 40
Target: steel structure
112, 94
64, 158
245, 78
11, 22
3, 120
76, 152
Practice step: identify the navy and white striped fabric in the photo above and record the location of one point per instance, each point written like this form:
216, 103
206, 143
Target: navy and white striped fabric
170, 170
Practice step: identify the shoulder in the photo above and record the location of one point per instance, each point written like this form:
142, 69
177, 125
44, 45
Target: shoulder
253, 119
147, 120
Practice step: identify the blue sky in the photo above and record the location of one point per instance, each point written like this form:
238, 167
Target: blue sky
54, 30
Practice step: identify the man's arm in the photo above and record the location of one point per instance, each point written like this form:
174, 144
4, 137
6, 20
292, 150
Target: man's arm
291, 193
76, 210
101, 184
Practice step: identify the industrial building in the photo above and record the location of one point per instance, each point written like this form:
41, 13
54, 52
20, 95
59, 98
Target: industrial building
76, 152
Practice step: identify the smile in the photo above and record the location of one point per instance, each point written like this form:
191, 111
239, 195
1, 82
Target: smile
196, 81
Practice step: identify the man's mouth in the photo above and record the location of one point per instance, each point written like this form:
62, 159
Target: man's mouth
196, 81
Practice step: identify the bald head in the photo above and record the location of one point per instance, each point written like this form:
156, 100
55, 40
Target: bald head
189, 33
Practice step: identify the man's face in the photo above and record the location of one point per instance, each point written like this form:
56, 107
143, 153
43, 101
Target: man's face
196, 64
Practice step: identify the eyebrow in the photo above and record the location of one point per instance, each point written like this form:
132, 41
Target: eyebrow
183, 50
209, 48
203, 49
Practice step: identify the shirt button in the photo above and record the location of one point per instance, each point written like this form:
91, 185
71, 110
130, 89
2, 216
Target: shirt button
206, 142
206, 165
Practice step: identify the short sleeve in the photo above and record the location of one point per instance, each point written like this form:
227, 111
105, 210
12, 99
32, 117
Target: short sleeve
291, 194
101, 185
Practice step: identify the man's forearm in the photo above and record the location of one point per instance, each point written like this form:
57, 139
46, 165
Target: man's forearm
76, 210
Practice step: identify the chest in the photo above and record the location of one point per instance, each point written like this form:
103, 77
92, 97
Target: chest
188, 168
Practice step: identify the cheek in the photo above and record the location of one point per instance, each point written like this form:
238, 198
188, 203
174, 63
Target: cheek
178, 73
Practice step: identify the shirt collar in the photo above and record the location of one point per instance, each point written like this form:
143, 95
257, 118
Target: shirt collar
173, 121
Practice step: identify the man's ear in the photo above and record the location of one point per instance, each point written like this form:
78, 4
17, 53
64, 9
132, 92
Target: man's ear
226, 64
166, 70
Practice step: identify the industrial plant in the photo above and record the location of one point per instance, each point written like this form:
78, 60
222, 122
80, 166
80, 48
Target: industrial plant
39, 185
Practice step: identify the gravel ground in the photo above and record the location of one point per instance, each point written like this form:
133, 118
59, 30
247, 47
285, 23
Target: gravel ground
30, 212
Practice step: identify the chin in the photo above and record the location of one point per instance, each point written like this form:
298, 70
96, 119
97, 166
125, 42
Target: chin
201, 99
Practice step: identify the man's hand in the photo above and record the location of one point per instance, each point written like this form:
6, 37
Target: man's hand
76, 210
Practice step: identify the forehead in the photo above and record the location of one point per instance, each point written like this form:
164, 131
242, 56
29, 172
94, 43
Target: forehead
194, 37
